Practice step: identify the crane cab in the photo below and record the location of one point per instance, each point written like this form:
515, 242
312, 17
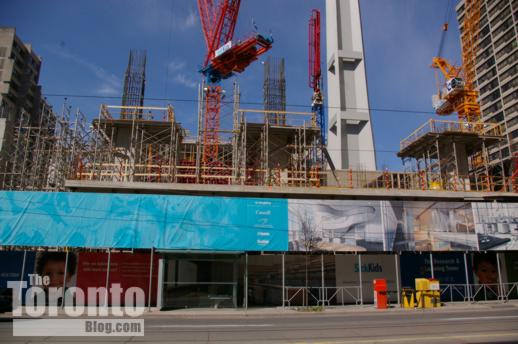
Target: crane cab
454, 85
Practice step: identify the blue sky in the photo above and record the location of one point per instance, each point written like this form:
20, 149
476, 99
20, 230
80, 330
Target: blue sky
84, 46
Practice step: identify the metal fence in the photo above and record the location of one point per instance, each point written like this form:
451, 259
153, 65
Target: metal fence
479, 292
322, 296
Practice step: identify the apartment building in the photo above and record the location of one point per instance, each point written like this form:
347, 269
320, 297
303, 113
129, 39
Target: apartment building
497, 72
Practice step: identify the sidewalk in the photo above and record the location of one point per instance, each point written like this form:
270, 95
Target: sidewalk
302, 311
333, 310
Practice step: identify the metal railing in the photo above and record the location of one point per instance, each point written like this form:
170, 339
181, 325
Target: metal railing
433, 126
321, 296
479, 292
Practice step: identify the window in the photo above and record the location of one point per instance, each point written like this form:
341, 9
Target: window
510, 72
484, 55
509, 85
492, 97
512, 122
493, 108
504, 39
482, 45
486, 65
507, 49
505, 152
513, 96
511, 110
489, 87
509, 60
501, 16
503, 27
484, 31
497, 118
487, 76
3, 51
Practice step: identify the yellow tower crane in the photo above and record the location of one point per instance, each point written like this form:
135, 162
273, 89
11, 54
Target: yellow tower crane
456, 89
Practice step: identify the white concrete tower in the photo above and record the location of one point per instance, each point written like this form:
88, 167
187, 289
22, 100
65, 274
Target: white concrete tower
350, 141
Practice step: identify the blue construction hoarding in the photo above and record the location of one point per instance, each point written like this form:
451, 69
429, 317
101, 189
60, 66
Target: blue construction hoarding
253, 224
143, 221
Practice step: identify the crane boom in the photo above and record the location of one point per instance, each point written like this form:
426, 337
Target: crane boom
315, 72
218, 23
223, 58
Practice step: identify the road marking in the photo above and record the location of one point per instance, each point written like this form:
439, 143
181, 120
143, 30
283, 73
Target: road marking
213, 325
482, 318
421, 339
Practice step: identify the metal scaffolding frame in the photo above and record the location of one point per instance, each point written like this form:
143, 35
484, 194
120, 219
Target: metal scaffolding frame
40, 154
452, 155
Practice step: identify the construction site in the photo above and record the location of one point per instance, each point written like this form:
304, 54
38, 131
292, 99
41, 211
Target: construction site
267, 146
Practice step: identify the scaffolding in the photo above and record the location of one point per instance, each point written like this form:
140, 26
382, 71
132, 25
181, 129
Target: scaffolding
452, 155
148, 145
39, 151
274, 90
141, 146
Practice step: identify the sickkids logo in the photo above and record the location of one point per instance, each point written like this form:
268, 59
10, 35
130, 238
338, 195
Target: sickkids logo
368, 267
42, 299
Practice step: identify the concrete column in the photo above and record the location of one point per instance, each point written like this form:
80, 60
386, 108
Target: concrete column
350, 140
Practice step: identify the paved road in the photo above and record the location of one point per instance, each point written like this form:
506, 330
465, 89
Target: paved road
497, 324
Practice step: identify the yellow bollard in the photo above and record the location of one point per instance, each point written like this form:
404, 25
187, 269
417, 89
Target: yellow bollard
408, 298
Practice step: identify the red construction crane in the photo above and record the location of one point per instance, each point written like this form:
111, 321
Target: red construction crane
315, 72
224, 58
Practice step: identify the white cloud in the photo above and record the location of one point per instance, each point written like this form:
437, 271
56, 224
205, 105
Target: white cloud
175, 66
110, 84
182, 79
107, 90
162, 15
190, 20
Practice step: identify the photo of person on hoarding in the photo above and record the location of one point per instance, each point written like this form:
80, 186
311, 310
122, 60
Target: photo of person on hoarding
485, 270
54, 265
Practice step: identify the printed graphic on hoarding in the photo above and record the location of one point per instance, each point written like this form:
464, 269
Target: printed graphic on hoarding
126, 269
319, 225
380, 226
429, 226
496, 225
11, 269
511, 263
448, 268
373, 266
143, 221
